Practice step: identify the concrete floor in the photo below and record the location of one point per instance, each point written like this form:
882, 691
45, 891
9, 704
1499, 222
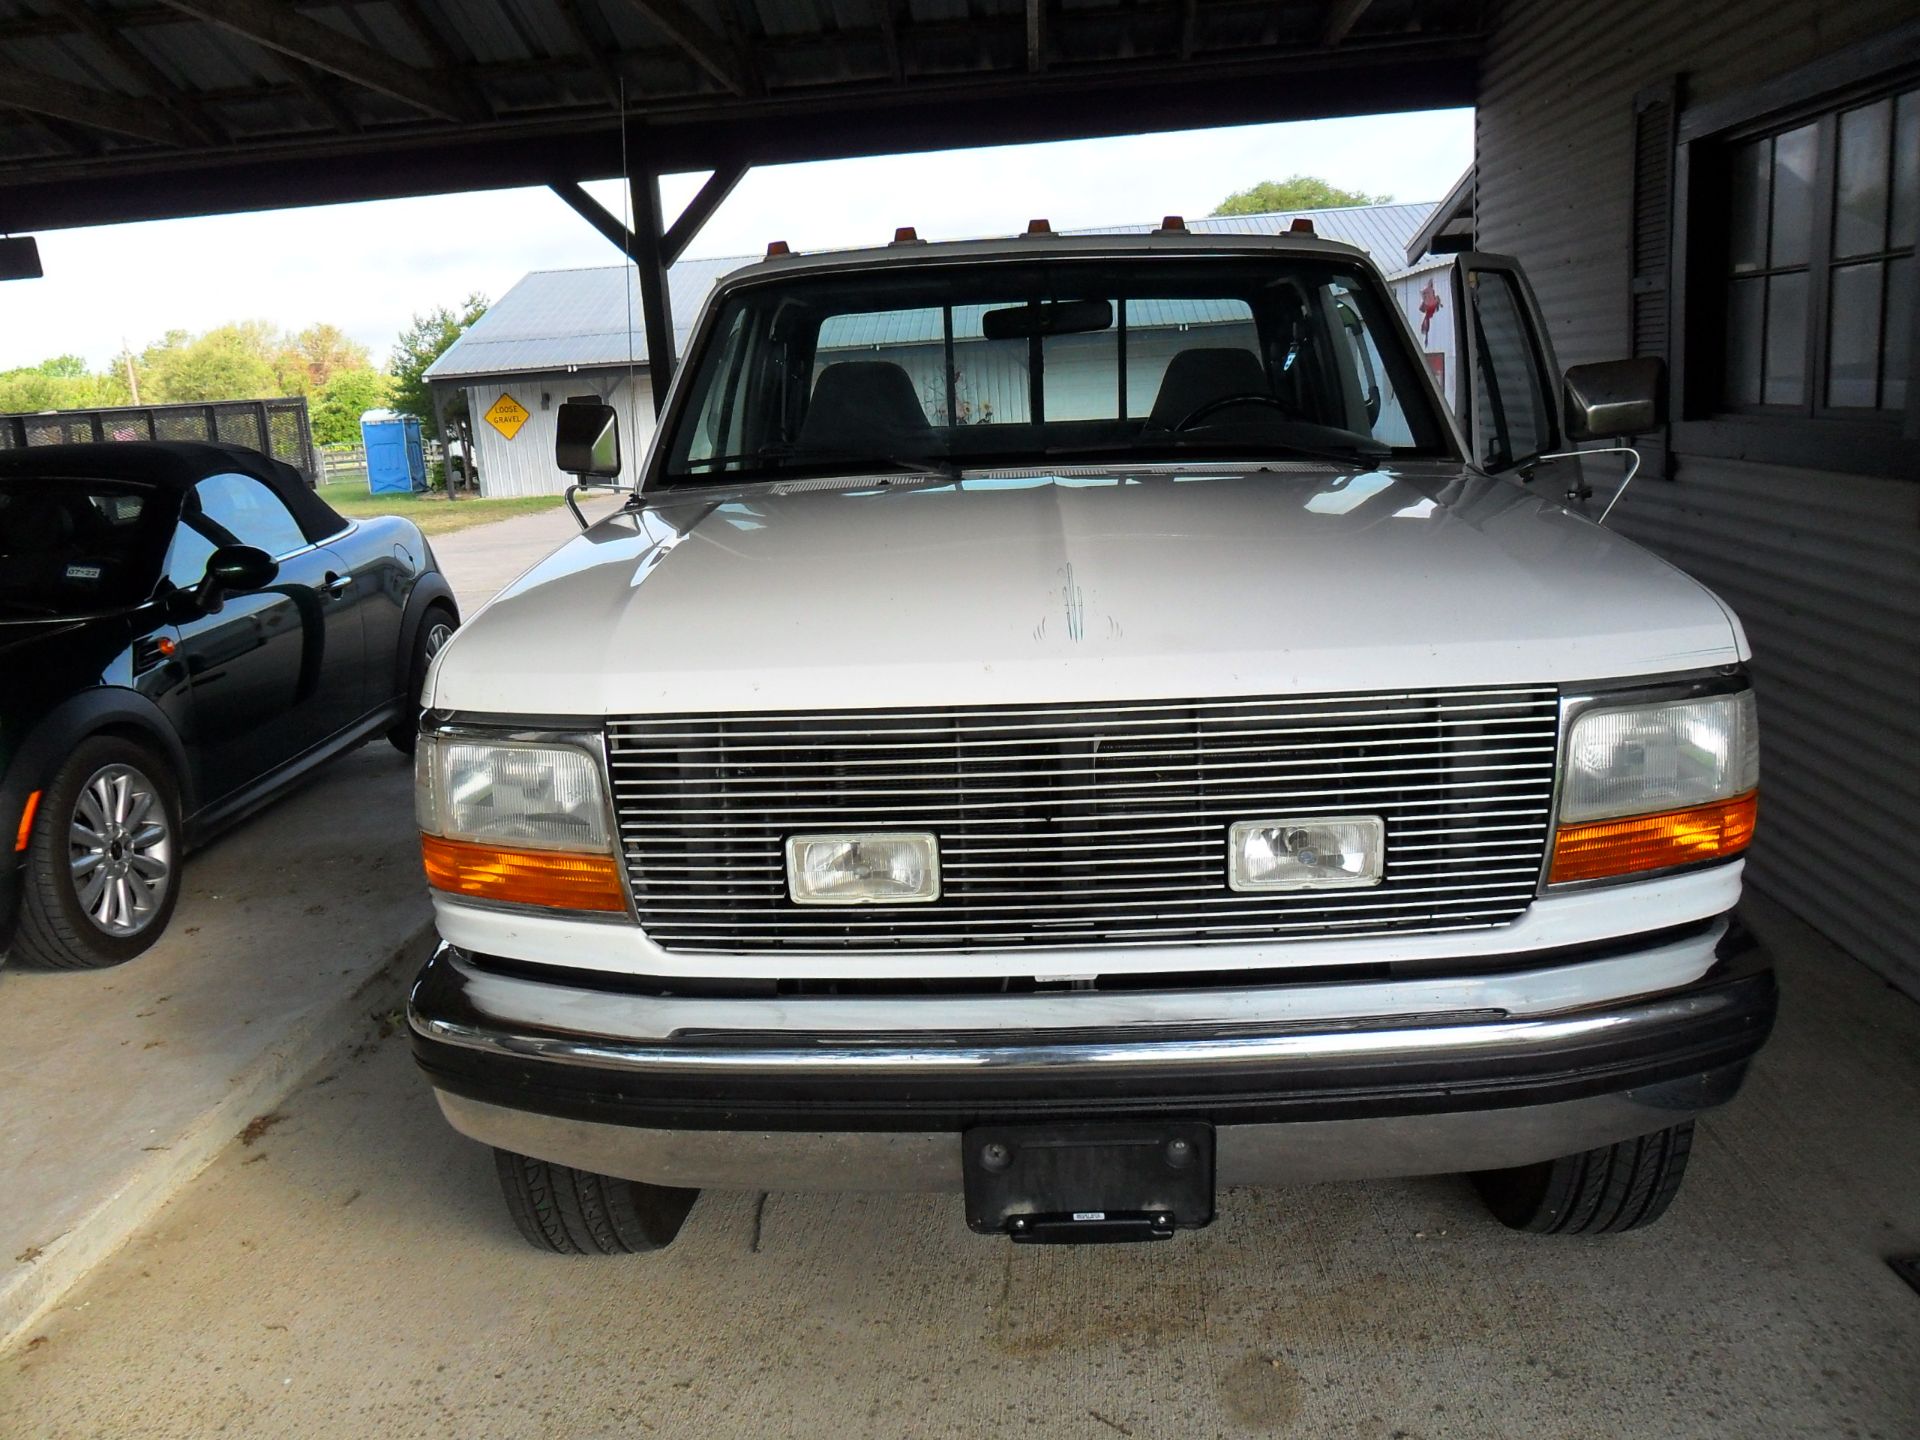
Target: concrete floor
121, 1084
352, 1272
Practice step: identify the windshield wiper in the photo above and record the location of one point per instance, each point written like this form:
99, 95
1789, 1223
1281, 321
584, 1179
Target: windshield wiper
914, 464
1246, 449
770, 457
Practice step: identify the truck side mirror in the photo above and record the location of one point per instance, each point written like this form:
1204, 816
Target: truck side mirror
1613, 398
586, 439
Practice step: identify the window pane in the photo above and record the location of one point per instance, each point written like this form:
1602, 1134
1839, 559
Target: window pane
1514, 418
1159, 329
1906, 167
1895, 359
1746, 309
990, 377
240, 510
1786, 382
1748, 180
708, 447
914, 340
1792, 231
1860, 199
1082, 374
1853, 335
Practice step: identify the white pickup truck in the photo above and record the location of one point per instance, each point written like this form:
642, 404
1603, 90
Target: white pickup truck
1075, 722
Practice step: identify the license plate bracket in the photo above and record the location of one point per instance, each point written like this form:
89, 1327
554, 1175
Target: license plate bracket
1088, 1183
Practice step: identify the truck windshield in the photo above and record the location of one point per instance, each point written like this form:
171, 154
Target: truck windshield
1052, 361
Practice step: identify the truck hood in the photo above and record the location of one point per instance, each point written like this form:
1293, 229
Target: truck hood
1078, 586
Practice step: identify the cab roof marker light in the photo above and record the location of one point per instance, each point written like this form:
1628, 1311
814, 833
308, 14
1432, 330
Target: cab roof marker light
777, 248
1039, 227
1300, 225
1172, 225
907, 235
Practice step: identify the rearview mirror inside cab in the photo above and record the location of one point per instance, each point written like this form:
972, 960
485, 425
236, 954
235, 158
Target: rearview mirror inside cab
1048, 317
1614, 398
586, 439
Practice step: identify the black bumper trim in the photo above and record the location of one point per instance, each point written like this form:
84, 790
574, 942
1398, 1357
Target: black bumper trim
1693, 1057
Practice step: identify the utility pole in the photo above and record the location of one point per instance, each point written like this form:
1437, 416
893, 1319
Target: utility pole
133, 380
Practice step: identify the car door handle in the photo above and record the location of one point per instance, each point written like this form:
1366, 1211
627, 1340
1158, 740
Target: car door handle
335, 585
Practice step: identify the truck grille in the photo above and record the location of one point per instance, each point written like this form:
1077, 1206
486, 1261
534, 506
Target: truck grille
1073, 825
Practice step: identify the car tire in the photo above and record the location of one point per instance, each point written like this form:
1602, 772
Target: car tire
436, 628
576, 1212
1617, 1187
87, 906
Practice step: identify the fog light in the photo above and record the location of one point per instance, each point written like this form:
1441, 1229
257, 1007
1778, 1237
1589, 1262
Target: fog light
1341, 853
881, 869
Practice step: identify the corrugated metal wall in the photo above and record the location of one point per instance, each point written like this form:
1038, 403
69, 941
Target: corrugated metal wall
524, 465
1823, 568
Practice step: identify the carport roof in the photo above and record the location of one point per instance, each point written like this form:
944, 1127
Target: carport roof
116, 110
560, 320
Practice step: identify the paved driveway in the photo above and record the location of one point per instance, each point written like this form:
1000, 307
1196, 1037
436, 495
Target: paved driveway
353, 1273
482, 560
120, 1084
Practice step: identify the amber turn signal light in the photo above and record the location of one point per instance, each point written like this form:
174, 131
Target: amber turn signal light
1599, 849
25, 835
556, 879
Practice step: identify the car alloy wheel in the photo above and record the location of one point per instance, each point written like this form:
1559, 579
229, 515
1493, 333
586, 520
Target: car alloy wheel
120, 850
438, 634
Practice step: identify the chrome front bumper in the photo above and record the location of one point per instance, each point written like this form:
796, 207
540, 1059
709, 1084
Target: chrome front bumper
583, 1076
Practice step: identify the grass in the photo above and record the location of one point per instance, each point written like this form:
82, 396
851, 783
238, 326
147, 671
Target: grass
433, 513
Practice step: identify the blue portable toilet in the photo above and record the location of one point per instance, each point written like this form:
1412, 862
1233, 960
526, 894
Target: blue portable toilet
396, 465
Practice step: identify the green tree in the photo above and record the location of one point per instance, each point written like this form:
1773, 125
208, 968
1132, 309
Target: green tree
337, 408
1296, 192
229, 362
26, 390
325, 351
422, 343
61, 383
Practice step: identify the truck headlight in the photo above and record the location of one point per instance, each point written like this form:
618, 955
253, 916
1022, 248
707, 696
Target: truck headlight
883, 868
1657, 785
516, 821
1343, 853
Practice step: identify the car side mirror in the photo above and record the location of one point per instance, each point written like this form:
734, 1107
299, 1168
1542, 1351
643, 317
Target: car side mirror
1614, 398
587, 439
234, 570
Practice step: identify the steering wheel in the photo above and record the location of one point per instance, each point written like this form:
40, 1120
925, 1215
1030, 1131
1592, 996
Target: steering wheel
1221, 402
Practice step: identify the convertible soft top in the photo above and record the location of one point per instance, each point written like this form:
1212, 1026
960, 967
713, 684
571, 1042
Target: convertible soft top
176, 465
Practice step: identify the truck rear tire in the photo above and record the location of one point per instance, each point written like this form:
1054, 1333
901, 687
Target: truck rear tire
1617, 1187
576, 1212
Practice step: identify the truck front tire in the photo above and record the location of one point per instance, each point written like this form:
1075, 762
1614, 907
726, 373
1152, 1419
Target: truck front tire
576, 1212
1617, 1187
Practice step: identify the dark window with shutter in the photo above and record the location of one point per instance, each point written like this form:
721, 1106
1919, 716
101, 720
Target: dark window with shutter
1655, 112
1794, 314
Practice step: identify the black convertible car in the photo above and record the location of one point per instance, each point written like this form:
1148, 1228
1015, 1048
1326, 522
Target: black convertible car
185, 630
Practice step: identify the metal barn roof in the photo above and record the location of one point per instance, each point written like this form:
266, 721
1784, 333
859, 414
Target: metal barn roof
118, 110
559, 320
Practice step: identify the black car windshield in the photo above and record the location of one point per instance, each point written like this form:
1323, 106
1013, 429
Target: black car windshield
72, 547
1099, 359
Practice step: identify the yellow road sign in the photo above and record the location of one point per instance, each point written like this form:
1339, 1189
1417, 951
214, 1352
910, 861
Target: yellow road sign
507, 415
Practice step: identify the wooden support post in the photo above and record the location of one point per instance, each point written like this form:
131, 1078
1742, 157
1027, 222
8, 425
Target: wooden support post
656, 304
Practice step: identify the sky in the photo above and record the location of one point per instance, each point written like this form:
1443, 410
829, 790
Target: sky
368, 268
